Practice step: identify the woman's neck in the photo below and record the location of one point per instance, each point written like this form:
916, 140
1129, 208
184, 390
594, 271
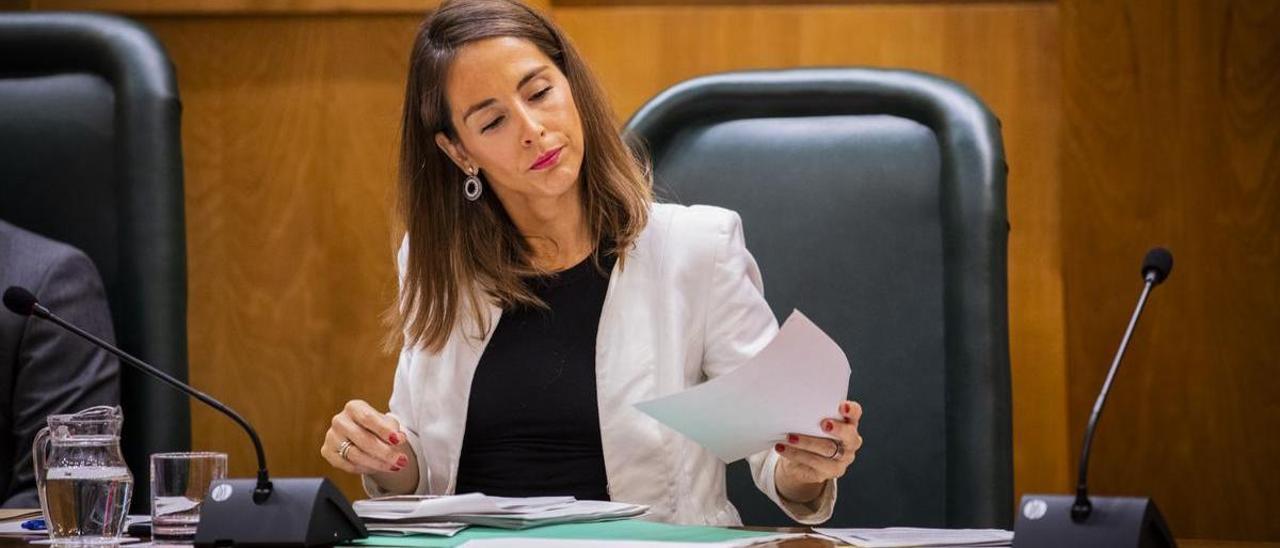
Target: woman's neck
556, 231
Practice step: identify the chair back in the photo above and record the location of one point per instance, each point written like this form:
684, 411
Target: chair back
874, 202
90, 154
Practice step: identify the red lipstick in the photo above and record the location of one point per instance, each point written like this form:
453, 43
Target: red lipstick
548, 159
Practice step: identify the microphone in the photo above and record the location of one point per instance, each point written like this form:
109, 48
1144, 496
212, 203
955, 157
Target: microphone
23, 303
20, 301
1157, 265
1155, 268
1116, 521
255, 519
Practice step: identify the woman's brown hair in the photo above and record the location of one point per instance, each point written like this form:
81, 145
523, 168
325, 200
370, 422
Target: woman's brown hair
460, 253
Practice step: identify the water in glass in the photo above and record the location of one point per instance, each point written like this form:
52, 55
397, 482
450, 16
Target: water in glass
87, 502
179, 482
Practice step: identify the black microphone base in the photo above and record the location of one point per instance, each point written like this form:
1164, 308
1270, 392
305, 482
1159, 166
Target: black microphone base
1044, 521
299, 512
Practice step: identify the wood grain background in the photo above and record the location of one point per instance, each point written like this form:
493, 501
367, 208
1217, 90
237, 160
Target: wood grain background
289, 132
245, 7
1126, 124
1172, 137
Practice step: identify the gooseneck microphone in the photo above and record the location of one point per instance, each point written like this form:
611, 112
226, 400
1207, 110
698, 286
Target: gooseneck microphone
1155, 268
302, 512
20, 301
1063, 521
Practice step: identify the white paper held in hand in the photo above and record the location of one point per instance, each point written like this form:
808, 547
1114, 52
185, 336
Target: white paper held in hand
796, 381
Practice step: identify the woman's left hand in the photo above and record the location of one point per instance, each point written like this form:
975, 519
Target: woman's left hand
809, 461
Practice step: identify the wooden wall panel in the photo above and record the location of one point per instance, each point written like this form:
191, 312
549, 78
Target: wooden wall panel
235, 6
1172, 137
1006, 53
804, 3
290, 126
243, 7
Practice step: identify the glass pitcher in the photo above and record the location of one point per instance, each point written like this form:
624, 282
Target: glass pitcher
83, 481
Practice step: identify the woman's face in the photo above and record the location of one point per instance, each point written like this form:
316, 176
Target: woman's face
516, 120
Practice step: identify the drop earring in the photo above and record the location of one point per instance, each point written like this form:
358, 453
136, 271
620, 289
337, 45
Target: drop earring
472, 188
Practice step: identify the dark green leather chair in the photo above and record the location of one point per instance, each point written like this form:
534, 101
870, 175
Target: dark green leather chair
90, 154
874, 201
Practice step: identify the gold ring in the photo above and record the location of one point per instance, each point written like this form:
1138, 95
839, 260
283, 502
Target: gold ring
343, 448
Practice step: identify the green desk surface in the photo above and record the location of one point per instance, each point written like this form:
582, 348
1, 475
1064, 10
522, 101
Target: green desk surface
629, 529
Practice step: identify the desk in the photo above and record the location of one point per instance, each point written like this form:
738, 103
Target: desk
823, 543
15, 542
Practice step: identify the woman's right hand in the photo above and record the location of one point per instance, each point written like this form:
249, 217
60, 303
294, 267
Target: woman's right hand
378, 447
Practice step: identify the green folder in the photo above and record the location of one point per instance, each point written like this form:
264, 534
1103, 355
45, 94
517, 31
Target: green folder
627, 529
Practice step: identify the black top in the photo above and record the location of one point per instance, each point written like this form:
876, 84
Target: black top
533, 428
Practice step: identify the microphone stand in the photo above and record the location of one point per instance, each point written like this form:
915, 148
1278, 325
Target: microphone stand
262, 490
287, 512
1063, 521
1081, 508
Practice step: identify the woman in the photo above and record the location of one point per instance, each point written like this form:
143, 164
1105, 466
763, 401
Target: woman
543, 294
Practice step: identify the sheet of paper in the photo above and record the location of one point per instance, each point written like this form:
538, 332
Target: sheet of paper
440, 529
577, 508
14, 527
580, 511
895, 537
403, 507
593, 532
566, 543
599, 543
406, 515
7, 514
796, 381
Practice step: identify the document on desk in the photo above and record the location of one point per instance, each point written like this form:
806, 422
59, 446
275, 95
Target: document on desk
792, 384
448, 514
406, 507
902, 537
612, 543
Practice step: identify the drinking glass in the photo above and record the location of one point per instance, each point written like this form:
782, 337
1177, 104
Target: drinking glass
179, 482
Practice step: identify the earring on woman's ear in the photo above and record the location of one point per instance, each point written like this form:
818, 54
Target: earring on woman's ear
472, 188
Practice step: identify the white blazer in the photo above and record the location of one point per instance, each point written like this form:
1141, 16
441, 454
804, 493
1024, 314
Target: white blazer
687, 307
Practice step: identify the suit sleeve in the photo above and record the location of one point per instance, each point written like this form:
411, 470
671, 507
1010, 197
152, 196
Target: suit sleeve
739, 325
58, 372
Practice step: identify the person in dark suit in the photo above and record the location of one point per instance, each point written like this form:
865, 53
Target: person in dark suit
45, 370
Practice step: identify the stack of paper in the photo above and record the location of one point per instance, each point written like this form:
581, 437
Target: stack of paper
770, 540
446, 515
895, 537
439, 529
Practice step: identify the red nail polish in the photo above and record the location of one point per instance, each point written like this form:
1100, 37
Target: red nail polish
394, 439
792, 438
395, 468
844, 408
779, 447
827, 426
403, 460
